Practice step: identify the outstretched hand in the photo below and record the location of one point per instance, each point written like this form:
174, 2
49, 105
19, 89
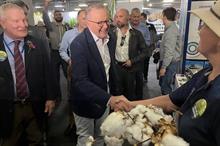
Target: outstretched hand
120, 103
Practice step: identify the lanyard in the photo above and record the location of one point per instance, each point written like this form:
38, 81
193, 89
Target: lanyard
10, 49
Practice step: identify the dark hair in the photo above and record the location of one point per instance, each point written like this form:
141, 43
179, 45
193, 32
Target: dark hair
170, 13
19, 3
57, 11
144, 15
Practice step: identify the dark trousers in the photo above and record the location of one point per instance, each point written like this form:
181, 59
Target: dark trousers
126, 82
146, 67
56, 62
25, 123
139, 85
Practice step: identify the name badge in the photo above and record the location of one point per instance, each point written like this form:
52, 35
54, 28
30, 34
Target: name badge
199, 108
3, 56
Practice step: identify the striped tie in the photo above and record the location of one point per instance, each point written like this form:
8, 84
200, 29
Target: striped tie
21, 83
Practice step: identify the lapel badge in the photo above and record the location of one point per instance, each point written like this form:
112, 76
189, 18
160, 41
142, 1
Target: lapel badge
3, 55
199, 108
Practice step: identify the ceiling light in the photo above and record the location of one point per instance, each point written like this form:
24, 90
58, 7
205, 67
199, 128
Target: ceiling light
167, 4
147, 0
168, 1
58, 6
105, 4
83, 5
135, 1
38, 7
77, 9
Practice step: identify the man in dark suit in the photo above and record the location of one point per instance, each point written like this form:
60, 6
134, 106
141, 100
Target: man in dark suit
26, 90
93, 76
130, 52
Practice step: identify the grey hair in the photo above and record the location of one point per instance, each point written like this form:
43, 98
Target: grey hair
135, 10
94, 6
7, 6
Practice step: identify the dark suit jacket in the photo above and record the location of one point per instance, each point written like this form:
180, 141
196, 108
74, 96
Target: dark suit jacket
39, 81
89, 95
137, 49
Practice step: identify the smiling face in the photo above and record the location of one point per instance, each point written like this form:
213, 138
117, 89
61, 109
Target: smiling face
94, 17
14, 23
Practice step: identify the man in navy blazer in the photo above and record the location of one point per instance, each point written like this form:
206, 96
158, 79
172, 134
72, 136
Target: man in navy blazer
93, 85
22, 114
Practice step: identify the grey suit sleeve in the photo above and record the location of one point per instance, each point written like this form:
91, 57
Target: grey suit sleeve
170, 40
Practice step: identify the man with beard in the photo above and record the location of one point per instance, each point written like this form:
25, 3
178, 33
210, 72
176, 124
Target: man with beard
130, 51
56, 30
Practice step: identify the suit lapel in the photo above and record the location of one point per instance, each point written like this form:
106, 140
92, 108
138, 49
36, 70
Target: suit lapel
27, 51
94, 51
5, 64
131, 39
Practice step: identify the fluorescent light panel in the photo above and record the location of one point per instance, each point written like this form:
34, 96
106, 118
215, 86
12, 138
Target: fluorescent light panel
168, 1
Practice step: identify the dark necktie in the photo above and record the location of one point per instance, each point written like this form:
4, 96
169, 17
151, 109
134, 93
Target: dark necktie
21, 82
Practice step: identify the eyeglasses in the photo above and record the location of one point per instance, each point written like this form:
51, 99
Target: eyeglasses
101, 23
122, 40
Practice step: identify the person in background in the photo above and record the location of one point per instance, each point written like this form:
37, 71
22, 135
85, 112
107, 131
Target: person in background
169, 51
26, 85
64, 50
69, 36
135, 21
154, 39
130, 51
93, 84
198, 100
55, 29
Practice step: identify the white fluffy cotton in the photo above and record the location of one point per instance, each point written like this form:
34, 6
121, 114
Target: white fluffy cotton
172, 140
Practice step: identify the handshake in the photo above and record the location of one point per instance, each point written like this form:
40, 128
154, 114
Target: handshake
120, 103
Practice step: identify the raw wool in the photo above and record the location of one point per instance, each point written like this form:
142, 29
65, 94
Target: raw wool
142, 125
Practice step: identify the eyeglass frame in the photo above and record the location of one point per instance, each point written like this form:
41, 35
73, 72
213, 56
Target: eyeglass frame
122, 40
101, 23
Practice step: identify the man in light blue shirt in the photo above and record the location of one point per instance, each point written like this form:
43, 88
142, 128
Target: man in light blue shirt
70, 35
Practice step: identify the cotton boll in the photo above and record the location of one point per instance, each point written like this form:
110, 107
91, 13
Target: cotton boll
148, 130
90, 141
172, 140
138, 110
168, 118
113, 141
130, 138
135, 131
152, 117
113, 125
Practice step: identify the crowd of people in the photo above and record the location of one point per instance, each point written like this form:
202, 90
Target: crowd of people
106, 64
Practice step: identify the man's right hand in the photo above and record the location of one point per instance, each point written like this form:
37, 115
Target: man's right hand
120, 103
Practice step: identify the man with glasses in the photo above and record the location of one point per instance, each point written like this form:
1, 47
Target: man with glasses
93, 83
129, 54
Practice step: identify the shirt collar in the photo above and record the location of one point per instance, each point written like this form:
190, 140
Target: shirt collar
98, 39
9, 40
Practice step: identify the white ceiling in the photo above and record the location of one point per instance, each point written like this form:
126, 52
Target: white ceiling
71, 4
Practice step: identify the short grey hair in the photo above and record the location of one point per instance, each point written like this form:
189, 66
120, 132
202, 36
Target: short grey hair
7, 6
94, 6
